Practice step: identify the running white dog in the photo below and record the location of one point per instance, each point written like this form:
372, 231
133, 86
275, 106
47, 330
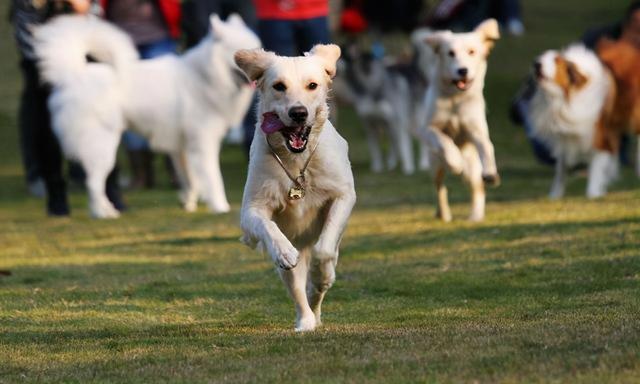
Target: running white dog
300, 191
573, 87
456, 131
183, 105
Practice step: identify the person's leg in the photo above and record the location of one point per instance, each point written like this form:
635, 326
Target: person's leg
244, 8
278, 36
159, 48
26, 123
510, 16
249, 123
311, 32
49, 155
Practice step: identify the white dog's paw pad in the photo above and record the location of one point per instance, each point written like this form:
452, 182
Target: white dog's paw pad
287, 258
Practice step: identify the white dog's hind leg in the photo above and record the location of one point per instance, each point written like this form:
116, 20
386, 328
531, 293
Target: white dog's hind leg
602, 170
444, 211
204, 155
473, 175
322, 276
296, 281
98, 157
326, 249
558, 185
189, 190
99, 204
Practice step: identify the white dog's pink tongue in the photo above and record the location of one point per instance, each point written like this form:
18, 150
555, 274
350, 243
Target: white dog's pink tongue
271, 123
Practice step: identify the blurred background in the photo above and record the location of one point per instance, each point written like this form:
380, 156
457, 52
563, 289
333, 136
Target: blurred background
542, 25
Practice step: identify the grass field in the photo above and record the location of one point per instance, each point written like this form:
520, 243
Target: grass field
540, 292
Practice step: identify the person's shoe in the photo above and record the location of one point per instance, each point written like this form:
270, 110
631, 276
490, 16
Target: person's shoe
515, 27
57, 207
37, 188
57, 203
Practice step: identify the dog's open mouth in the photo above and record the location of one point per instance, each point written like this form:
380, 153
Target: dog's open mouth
296, 137
462, 84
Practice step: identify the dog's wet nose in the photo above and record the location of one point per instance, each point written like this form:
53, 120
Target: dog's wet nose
463, 72
298, 114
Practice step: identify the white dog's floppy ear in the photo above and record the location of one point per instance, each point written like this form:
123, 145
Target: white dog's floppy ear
490, 31
435, 39
254, 62
329, 53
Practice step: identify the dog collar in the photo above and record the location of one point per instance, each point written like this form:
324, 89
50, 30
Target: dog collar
297, 191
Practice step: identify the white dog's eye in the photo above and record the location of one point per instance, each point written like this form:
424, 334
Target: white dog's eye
452, 54
312, 86
472, 52
280, 87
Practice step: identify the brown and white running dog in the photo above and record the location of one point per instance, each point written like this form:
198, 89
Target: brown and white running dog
299, 192
573, 92
456, 129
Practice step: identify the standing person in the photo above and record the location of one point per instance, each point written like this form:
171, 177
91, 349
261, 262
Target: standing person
292, 27
195, 16
41, 153
154, 26
288, 28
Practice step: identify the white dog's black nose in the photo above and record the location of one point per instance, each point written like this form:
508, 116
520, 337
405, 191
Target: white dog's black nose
298, 114
463, 72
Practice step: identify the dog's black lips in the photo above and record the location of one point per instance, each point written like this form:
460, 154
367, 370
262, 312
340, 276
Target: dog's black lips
296, 138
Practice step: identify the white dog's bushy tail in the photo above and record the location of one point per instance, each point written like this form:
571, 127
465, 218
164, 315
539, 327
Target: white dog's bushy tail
63, 44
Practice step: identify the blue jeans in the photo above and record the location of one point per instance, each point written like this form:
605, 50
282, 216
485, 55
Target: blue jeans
132, 141
293, 37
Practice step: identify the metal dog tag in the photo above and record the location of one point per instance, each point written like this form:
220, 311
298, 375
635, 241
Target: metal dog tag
296, 193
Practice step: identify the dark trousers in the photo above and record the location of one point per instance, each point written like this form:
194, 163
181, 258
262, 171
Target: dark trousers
40, 149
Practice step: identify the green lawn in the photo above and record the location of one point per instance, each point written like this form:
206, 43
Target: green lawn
540, 292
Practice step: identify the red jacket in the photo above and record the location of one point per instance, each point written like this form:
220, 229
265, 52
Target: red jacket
291, 9
171, 12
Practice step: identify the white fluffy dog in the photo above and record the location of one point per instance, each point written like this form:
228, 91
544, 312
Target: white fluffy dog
457, 132
183, 105
573, 87
300, 191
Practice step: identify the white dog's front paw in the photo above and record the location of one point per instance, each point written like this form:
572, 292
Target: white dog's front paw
306, 324
286, 257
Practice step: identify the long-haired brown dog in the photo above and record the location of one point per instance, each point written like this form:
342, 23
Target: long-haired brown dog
622, 111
